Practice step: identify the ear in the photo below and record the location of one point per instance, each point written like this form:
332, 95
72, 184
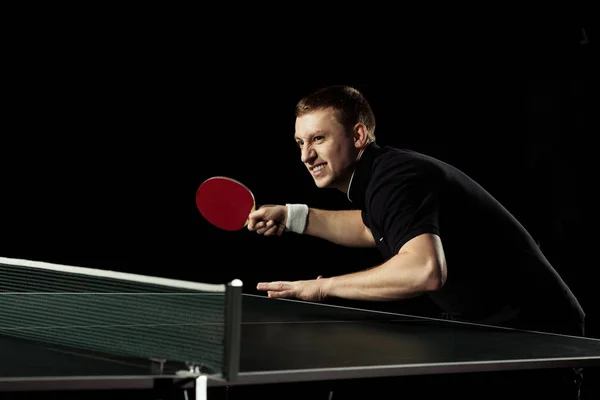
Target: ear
361, 137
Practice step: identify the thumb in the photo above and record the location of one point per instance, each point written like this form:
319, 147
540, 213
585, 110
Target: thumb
255, 217
266, 212
261, 213
319, 277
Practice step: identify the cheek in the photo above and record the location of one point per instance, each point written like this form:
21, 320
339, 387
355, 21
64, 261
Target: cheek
337, 157
343, 157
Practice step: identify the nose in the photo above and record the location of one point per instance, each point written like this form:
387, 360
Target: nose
308, 154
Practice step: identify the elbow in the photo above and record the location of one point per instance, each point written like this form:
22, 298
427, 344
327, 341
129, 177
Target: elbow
435, 275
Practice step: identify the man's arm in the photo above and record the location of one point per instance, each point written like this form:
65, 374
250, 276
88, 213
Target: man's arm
343, 227
418, 268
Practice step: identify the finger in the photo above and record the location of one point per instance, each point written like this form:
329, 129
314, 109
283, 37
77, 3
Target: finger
271, 231
280, 230
274, 286
258, 214
259, 227
282, 294
319, 277
252, 222
262, 230
272, 228
256, 217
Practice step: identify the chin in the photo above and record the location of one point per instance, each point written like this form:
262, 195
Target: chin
323, 183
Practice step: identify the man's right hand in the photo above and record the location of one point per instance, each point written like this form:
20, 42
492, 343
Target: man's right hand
268, 220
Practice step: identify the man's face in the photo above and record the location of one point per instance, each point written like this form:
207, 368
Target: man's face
327, 150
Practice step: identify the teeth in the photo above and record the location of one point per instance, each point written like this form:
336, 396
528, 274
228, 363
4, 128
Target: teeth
317, 169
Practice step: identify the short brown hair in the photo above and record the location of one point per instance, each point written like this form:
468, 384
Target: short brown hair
352, 107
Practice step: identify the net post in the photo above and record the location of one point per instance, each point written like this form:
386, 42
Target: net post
233, 321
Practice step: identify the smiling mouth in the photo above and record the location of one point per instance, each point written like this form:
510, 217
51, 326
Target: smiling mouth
317, 168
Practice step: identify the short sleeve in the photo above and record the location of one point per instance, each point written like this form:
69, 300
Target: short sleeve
404, 201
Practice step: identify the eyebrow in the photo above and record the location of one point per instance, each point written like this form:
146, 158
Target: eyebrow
312, 134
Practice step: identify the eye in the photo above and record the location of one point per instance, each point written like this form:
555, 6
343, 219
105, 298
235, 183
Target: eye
319, 137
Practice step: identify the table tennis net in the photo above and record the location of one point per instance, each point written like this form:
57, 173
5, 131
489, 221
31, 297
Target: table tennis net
113, 313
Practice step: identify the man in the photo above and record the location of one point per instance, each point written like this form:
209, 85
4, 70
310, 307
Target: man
440, 232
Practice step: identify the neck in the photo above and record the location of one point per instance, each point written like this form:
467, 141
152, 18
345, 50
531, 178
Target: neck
347, 191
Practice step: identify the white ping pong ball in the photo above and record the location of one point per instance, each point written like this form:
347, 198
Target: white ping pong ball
236, 283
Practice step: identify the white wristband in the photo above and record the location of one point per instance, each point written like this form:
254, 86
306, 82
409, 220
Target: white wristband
296, 217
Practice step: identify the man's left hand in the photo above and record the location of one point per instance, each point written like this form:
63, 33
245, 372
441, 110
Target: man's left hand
310, 290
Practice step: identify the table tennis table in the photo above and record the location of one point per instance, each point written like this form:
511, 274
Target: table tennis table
254, 340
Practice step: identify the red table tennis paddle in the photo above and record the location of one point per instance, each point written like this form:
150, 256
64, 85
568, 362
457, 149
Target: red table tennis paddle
226, 203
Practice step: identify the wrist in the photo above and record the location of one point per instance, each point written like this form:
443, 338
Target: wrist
297, 216
327, 287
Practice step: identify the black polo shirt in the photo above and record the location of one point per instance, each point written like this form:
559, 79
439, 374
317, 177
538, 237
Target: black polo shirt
496, 272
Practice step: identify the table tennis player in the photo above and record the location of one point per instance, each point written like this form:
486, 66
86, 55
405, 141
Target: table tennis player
440, 233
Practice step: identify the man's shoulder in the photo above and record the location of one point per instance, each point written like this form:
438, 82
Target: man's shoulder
398, 172
393, 161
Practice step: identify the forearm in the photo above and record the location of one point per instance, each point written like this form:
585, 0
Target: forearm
403, 276
343, 227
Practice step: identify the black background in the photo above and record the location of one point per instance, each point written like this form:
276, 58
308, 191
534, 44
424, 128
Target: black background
106, 139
